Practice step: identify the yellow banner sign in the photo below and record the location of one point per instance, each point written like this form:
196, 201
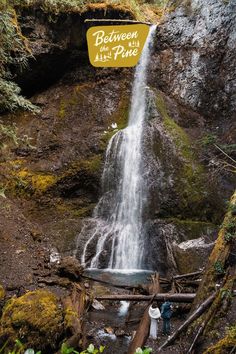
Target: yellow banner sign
116, 46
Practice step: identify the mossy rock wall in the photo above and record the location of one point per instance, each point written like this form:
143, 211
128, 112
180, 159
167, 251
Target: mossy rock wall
178, 181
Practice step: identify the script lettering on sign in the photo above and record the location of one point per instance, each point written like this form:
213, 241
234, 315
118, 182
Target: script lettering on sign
116, 46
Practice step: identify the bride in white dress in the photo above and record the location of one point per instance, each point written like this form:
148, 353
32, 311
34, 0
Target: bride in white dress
154, 314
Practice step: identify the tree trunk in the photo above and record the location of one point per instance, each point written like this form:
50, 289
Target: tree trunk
75, 305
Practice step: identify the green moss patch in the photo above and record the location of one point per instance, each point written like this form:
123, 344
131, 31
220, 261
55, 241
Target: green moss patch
225, 345
192, 228
178, 134
190, 182
120, 117
35, 319
132, 9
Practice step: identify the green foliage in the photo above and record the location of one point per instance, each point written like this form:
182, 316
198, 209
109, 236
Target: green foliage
226, 294
19, 349
9, 133
2, 192
67, 350
231, 207
14, 51
228, 148
230, 230
90, 350
10, 98
229, 237
208, 139
143, 351
219, 269
230, 226
136, 8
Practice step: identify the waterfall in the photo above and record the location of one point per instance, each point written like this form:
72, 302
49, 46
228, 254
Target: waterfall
117, 228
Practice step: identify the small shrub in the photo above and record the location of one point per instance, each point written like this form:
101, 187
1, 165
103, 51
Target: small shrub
90, 350
219, 269
231, 227
14, 52
225, 294
143, 351
208, 139
231, 207
229, 237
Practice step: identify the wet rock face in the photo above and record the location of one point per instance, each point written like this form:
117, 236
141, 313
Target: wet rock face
70, 267
57, 42
195, 57
178, 246
177, 181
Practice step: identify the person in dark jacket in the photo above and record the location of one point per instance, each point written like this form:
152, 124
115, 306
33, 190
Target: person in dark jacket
166, 313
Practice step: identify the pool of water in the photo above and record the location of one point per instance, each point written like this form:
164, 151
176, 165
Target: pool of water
119, 277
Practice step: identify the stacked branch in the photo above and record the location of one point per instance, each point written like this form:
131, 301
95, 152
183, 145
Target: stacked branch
180, 282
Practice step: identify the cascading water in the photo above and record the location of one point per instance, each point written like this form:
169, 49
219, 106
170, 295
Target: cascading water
117, 229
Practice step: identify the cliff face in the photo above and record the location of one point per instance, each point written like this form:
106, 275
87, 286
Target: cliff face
195, 60
52, 162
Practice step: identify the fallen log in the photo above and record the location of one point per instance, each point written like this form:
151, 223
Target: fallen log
75, 306
141, 334
192, 318
187, 275
189, 297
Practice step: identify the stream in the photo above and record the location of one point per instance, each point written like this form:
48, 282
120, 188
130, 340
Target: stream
113, 325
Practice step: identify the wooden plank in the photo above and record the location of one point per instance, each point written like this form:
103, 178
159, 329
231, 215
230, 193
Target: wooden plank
180, 276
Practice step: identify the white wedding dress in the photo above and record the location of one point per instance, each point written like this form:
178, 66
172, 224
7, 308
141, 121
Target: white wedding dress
154, 314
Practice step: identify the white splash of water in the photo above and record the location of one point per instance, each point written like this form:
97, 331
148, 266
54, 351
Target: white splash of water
124, 307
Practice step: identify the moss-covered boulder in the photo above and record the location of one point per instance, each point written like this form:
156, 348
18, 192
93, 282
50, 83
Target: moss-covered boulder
36, 319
